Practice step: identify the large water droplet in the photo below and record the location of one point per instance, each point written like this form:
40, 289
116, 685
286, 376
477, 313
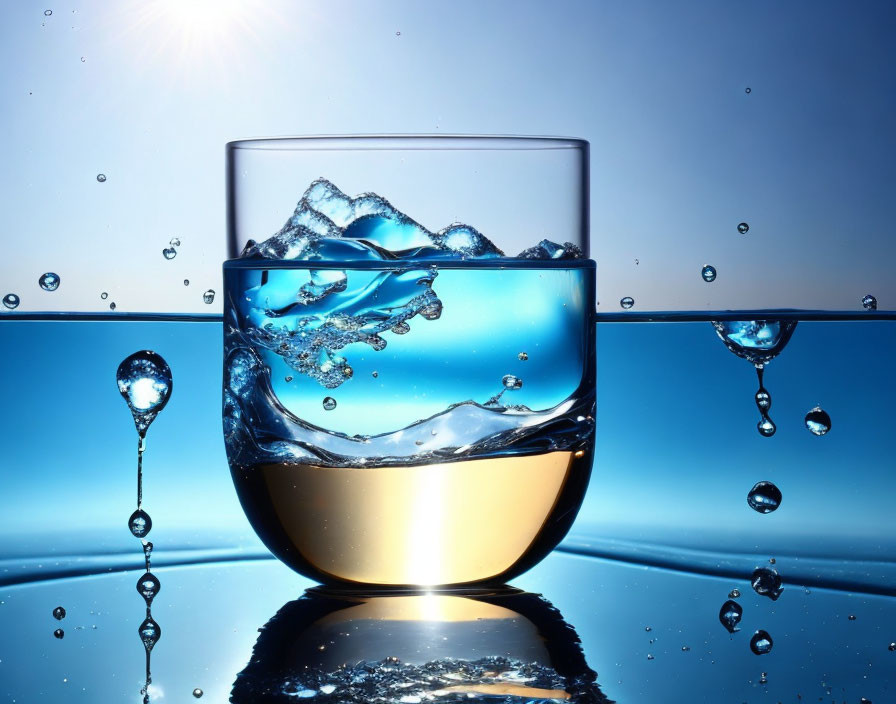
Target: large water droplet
869, 302
140, 523
59, 633
49, 281
148, 586
150, 632
767, 582
329, 403
730, 615
59, 613
512, 382
764, 497
169, 252
743, 228
761, 642
101, 178
709, 273
766, 427
144, 381
208, 296
818, 421
627, 302
11, 300
197, 692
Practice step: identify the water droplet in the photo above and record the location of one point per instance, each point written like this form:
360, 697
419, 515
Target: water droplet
522, 356
649, 657
348, 372
148, 586
59, 613
766, 427
763, 678
208, 296
112, 305
512, 382
818, 421
764, 497
374, 374
771, 560
398, 34
104, 295
150, 632
748, 90
174, 242
401, 328
288, 378
891, 647
147, 551
59, 633
11, 300
730, 615
49, 281
709, 273
743, 228
757, 341
186, 282
869, 302
648, 629
169, 252
83, 59
851, 617
761, 642
767, 582
140, 523
197, 692
48, 12
627, 302
685, 648
637, 262
144, 380
101, 178
763, 400
734, 594
329, 403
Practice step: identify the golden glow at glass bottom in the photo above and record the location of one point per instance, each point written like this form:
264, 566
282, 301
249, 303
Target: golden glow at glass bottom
432, 524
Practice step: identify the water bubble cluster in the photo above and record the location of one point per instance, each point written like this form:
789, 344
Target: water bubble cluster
49, 281
708, 273
761, 642
11, 300
767, 582
818, 421
764, 497
730, 615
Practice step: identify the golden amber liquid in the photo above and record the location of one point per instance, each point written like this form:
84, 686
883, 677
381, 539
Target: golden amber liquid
432, 524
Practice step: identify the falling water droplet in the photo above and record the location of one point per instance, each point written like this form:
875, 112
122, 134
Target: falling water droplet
329, 403
150, 632
169, 252
734, 594
763, 678
649, 656
818, 421
512, 382
83, 59
763, 400
685, 648
709, 273
869, 302
766, 427
59, 613
59, 633
764, 497
101, 178
197, 692
140, 523
398, 34
522, 356
287, 378
144, 380
767, 582
112, 305
148, 586
49, 281
627, 302
743, 228
748, 90
147, 552
730, 615
208, 296
11, 300
48, 12
374, 374
401, 328
851, 617
761, 642
891, 647
174, 242
186, 282
104, 295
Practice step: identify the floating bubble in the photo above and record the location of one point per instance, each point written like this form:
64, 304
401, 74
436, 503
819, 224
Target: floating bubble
401, 328
104, 295
766, 427
512, 382
101, 178
59, 633
767, 582
708, 273
743, 228
761, 642
11, 300
730, 615
148, 586
140, 523
627, 302
818, 421
329, 403
734, 594
186, 282
208, 296
169, 252
59, 613
145, 383
49, 281
174, 242
869, 302
197, 692
763, 400
150, 632
764, 497
522, 356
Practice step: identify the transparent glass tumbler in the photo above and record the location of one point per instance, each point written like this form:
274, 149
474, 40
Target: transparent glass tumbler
409, 359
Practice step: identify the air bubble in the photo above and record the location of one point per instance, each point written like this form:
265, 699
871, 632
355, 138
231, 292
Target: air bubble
891, 647
49, 281
818, 421
763, 400
761, 642
208, 296
169, 252
329, 403
374, 374
112, 305
83, 59
851, 617
649, 657
59, 613
743, 228
627, 302
709, 273
869, 302
11, 300
764, 497
287, 378
101, 178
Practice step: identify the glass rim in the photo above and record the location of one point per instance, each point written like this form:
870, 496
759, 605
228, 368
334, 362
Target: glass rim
429, 142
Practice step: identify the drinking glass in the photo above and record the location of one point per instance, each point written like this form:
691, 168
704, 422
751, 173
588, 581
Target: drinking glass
409, 360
